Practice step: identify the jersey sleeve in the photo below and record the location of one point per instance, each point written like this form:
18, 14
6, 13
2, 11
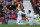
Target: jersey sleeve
37, 16
23, 13
31, 15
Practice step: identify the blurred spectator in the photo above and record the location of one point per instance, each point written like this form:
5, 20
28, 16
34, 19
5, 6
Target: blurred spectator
7, 16
22, 7
4, 8
15, 5
36, 1
9, 0
1, 5
39, 10
21, 1
2, 13
10, 6
13, 2
12, 16
5, 1
9, 10
17, 0
36, 7
0, 9
39, 13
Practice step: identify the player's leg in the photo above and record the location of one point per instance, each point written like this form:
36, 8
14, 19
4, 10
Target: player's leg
35, 22
20, 22
26, 21
17, 21
31, 22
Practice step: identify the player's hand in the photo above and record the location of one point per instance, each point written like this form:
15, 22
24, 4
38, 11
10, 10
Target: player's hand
26, 17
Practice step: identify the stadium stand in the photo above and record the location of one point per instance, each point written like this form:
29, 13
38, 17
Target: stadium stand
9, 7
35, 4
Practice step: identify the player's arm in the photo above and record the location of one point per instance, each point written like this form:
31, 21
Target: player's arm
29, 16
18, 12
26, 17
23, 13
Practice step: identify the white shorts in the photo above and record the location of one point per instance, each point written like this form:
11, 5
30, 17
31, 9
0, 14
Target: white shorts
18, 21
30, 20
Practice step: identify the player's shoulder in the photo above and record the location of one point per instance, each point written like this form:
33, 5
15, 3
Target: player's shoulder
31, 13
20, 11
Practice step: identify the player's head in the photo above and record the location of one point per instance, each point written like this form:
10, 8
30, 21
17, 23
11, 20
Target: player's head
29, 11
20, 9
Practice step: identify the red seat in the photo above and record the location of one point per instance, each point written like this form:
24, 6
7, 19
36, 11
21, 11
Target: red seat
14, 12
11, 16
18, 2
10, 10
14, 16
2, 18
23, 18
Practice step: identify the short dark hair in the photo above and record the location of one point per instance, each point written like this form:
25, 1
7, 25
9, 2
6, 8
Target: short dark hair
29, 11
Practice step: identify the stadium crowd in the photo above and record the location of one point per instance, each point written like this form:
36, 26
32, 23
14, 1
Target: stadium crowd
9, 10
36, 6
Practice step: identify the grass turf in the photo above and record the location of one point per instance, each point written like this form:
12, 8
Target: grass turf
5, 25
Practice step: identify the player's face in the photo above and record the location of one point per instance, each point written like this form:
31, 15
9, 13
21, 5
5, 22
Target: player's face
20, 9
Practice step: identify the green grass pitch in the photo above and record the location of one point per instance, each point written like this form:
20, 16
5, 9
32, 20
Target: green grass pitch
5, 25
